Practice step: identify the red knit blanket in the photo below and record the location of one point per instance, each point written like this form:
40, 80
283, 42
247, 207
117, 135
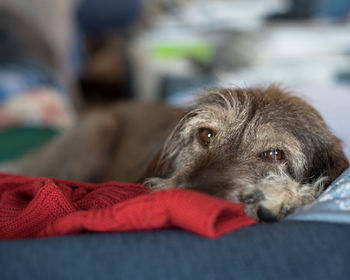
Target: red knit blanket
43, 207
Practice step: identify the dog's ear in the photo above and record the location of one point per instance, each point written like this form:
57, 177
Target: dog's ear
163, 163
329, 161
337, 161
161, 166
152, 168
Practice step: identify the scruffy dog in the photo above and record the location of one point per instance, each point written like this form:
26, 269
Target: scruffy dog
262, 147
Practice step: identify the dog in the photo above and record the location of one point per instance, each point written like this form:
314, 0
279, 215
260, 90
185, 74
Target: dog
259, 146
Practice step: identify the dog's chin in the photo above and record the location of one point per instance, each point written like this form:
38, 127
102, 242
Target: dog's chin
265, 215
271, 199
278, 195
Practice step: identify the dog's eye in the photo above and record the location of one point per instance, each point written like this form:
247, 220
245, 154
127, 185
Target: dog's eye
273, 155
205, 136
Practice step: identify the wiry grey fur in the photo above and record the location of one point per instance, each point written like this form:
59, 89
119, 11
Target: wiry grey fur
247, 123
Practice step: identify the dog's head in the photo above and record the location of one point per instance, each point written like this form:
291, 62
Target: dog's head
233, 141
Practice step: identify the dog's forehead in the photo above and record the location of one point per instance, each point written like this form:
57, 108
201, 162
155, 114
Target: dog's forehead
252, 114
228, 108
269, 105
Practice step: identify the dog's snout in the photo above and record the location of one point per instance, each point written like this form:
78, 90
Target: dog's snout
266, 215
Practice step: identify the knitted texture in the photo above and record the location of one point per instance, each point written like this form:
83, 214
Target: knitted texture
44, 207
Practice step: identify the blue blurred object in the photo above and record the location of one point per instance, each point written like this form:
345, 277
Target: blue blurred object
106, 15
335, 9
17, 77
306, 9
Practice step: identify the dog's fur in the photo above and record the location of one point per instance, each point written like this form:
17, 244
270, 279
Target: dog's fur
221, 146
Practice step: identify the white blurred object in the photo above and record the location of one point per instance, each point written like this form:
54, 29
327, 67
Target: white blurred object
295, 55
149, 67
237, 14
43, 106
196, 24
333, 103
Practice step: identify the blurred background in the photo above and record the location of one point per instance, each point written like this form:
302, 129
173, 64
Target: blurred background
58, 57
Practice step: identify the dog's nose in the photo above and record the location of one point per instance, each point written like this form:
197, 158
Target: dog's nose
266, 215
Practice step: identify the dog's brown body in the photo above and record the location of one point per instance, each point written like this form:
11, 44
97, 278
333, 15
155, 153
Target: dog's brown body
114, 142
262, 147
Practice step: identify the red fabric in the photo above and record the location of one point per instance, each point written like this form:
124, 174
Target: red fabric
43, 207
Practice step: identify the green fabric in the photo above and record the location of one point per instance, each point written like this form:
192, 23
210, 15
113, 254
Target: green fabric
15, 142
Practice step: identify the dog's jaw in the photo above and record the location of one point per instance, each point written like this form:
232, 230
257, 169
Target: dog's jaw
278, 195
269, 200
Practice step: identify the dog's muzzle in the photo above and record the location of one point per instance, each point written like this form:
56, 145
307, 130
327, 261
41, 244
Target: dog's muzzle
265, 215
